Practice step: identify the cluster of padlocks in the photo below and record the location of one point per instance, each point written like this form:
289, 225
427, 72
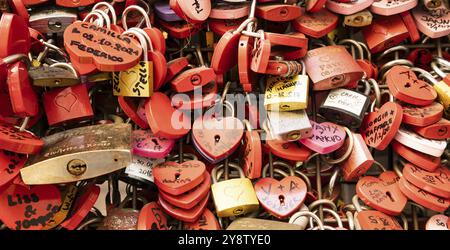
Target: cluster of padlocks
231, 114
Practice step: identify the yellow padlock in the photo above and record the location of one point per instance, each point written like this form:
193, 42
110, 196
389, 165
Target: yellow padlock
442, 89
287, 93
233, 197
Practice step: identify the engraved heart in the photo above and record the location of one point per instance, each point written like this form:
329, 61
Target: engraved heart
233, 191
128, 78
382, 193
326, 137
380, 127
66, 101
281, 198
23, 208
176, 179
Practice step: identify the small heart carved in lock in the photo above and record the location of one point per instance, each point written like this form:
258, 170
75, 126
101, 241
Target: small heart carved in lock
66, 101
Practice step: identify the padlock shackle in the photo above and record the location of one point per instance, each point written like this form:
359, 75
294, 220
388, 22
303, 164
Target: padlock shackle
309, 214
393, 50
99, 21
322, 202
146, 36
109, 7
279, 164
65, 66
387, 66
354, 43
329, 211
142, 41
347, 153
333, 179
305, 178
214, 171
105, 16
139, 9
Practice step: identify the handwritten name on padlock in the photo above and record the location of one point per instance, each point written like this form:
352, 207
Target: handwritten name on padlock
109, 51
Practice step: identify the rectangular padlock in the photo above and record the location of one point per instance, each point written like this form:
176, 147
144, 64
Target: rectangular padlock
345, 107
52, 20
79, 154
290, 125
286, 93
46, 76
260, 224
331, 67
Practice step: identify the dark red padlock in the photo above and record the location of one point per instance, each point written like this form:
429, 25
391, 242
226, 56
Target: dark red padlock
385, 32
67, 104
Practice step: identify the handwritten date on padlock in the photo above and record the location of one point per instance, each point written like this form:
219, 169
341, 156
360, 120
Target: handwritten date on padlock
175, 178
107, 50
379, 128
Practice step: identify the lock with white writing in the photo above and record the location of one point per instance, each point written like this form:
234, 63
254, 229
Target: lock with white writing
288, 125
287, 93
233, 197
345, 106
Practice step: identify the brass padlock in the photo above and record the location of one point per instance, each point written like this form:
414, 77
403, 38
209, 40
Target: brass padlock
52, 20
287, 93
56, 75
290, 125
360, 19
235, 196
345, 106
79, 154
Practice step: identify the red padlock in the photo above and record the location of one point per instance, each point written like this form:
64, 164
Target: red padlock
67, 105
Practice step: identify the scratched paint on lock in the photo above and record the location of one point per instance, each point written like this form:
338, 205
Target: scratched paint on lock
176, 179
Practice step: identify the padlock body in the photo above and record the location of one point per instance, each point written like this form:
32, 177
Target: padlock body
234, 197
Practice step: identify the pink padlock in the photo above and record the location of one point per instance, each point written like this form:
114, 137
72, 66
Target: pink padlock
390, 7
326, 137
434, 23
145, 144
348, 8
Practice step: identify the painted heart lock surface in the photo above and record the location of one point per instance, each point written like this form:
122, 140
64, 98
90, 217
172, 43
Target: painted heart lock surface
151, 217
217, 137
281, 198
433, 22
437, 131
382, 193
438, 222
289, 150
14, 40
316, 24
422, 116
190, 198
424, 161
23, 142
380, 127
28, 209
422, 197
108, 51
10, 165
207, 221
82, 207
326, 137
190, 215
436, 182
145, 144
376, 220
175, 178
405, 86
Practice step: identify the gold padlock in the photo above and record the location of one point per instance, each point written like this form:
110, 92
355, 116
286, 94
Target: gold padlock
235, 196
287, 93
360, 19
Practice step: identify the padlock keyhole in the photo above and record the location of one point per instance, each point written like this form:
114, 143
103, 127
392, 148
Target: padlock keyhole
390, 196
177, 176
281, 198
217, 138
407, 85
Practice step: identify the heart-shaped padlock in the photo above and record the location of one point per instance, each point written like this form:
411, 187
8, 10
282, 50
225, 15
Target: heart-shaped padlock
10, 165
427, 146
151, 217
423, 197
280, 198
145, 144
422, 116
23, 98
130, 108
164, 120
424, 161
326, 137
15, 35
82, 207
437, 131
22, 142
207, 221
380, 127
177, 178
25, 208
433, 23
436, 182
192, 197
190, 215
382, 193
405, 86
289, 150
217, 137
316, 24
438, 222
